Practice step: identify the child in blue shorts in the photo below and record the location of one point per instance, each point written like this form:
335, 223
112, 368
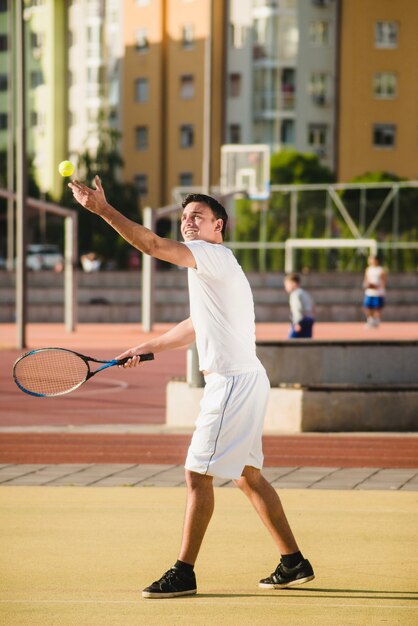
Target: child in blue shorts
301, 308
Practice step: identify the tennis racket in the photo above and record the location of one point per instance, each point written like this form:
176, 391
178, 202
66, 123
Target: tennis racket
49, 372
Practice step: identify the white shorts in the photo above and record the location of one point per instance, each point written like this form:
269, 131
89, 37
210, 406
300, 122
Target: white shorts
230, 425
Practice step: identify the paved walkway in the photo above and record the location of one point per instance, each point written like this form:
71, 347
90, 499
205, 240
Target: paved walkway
127, 475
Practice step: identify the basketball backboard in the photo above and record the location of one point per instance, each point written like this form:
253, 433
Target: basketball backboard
246, 168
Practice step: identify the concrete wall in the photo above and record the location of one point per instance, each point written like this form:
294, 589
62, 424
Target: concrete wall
320, 386
307, 363
303, 410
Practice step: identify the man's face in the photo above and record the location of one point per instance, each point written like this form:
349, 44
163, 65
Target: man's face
199, 223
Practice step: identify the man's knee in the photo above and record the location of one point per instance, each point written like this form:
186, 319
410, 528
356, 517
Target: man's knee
194, 480
250, 477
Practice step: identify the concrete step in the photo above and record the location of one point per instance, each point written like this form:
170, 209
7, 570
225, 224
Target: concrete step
116, 297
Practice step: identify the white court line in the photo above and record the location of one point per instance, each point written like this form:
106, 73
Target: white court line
219, 601
115, 385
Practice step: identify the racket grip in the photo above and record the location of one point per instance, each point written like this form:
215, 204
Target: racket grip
142, 357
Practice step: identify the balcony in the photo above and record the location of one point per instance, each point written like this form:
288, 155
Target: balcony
274, 101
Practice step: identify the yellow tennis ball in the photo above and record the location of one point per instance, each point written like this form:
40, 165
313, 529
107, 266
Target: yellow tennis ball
66, 168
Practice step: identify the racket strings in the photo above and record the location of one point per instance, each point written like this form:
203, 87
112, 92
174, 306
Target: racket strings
51, 372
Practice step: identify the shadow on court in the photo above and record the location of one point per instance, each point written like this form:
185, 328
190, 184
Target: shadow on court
75, 556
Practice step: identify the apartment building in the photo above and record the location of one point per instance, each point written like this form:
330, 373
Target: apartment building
378, 113
87, 82
180, 78
45, 77
172, 95
316, 79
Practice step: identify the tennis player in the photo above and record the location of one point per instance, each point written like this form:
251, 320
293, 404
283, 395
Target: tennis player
227, 439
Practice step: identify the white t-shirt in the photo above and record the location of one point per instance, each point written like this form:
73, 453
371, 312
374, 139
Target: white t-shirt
222, 311
301, 305
374, 276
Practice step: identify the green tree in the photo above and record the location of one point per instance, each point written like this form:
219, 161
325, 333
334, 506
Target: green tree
289, 167
94, 234
33, 191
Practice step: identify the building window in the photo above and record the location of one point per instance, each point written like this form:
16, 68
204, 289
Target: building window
141, 40
384, 85
187, 86
34, 118
187, 36
3, 121
141, 184
186, 136
287, 132
186, 179
141, 137
318, 138
238, 35
234, 85
384, 135
4, 81
234, 133
386, 34
36, 40
319, 33
318, 88
141, 90
3, 6
4, 43
36, 79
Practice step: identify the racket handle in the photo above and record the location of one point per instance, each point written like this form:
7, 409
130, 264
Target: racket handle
142, 357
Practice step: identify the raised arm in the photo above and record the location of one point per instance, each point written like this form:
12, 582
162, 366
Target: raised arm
181, 335
138, 236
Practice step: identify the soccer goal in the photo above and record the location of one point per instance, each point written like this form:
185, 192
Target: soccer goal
297, 244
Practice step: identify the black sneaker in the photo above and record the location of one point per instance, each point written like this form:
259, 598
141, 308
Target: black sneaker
288, 576
172, 584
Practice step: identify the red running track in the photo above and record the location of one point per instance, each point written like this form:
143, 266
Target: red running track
132, 397
380, 451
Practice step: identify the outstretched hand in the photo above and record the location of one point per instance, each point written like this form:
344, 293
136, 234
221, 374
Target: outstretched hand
92, 199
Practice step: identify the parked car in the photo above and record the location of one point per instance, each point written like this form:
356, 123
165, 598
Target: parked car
43, 257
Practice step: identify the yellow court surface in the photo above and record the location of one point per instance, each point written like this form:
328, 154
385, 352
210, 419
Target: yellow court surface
75, 556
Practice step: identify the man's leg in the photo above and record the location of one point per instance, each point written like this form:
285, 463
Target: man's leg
199, 509
180, 579
293, 569
267, 503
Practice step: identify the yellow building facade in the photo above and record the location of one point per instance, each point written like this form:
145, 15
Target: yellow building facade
378, 96
172, 95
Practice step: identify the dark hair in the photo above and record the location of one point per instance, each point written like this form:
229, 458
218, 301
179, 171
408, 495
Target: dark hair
216, 207
295, 278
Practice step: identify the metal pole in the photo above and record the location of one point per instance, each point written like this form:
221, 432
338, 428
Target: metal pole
70, 273
289, 253
194, 376
10, 143
288, 258
148, 272
363, 205
263, 235
21, 186
207, 95
395, 230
